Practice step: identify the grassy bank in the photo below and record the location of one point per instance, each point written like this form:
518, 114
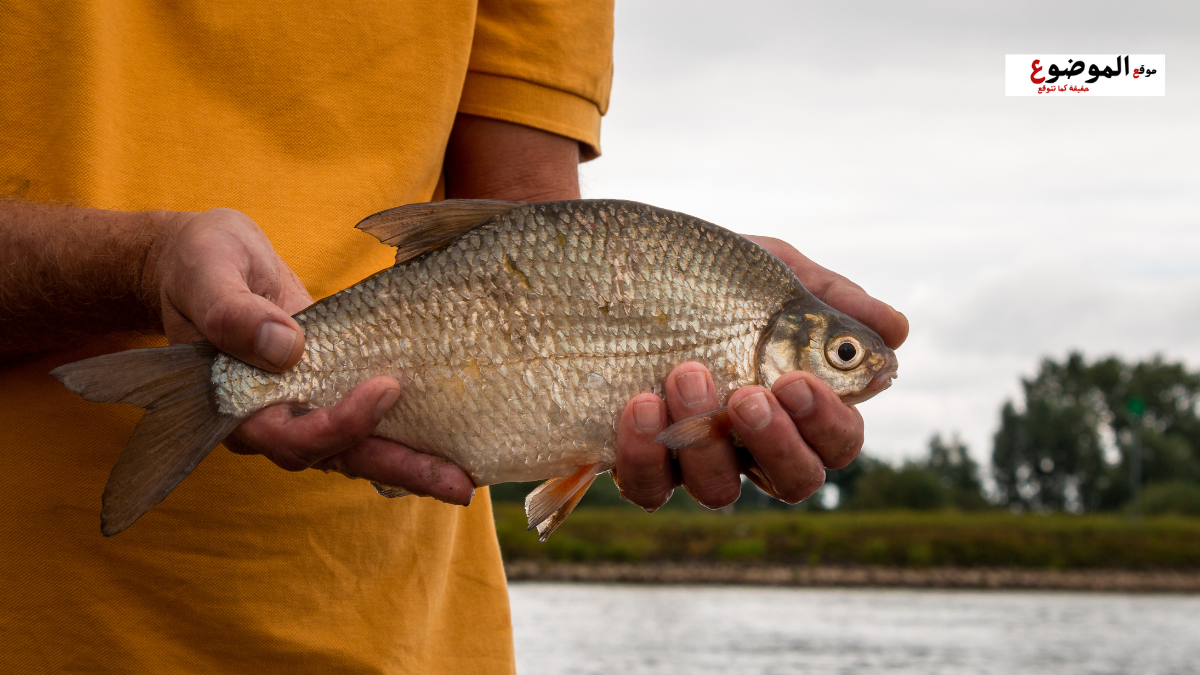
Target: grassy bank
898, 539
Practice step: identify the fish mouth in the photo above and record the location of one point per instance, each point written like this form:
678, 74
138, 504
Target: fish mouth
880, 382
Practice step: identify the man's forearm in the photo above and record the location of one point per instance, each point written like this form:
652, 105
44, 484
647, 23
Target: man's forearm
490, 159
69, 272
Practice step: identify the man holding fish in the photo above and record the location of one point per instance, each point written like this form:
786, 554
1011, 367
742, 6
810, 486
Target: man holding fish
304, 122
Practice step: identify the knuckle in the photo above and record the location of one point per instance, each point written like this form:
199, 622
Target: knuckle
344, 423
643, 465
221, 321
639, 461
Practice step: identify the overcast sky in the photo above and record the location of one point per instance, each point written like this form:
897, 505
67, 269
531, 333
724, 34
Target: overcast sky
876, 138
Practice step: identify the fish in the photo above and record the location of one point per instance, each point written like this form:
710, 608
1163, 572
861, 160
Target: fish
519, 331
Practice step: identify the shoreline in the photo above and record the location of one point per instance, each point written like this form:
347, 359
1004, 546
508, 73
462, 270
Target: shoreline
1103, 580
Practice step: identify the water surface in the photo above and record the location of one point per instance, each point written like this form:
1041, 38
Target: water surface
586, 628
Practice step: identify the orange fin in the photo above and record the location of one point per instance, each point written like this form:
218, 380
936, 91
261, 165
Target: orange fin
549, 525
550, 504
699, 430
416, 228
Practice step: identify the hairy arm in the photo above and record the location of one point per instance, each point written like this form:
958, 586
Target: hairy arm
70, 273
67, 273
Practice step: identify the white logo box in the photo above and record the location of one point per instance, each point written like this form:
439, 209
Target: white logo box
1085, 75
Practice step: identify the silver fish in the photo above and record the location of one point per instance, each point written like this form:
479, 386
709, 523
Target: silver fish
520, 331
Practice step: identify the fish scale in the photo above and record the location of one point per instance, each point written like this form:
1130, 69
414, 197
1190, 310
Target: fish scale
546, 321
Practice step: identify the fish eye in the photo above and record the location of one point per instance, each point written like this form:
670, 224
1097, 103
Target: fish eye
844, 351
847, 351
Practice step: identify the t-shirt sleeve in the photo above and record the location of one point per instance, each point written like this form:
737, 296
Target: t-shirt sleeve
546, 64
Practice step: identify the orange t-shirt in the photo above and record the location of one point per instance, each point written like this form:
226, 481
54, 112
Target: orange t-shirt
307, 116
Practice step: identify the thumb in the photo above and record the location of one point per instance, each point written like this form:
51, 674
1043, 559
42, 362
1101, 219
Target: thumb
254, 330
216, 271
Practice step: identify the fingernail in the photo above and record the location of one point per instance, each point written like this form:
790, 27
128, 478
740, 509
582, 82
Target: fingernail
797, 397
693, 388
754, 410
647, 416
385, 403
274, 343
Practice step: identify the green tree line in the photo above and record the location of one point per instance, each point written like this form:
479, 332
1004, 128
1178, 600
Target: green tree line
1102, 436
1092, 436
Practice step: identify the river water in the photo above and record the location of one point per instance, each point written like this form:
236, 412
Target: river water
569, 629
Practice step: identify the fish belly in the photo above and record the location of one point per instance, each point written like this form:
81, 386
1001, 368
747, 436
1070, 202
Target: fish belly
519, 344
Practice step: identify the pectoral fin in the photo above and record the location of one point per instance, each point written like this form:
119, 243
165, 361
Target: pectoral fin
550, 504
699, 430
416, 228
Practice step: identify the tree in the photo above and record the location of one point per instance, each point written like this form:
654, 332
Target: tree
912, 486
1085, 426
947, 476
957, 473
847, 478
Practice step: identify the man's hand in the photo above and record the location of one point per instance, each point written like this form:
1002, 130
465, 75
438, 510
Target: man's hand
219, 279
793, 432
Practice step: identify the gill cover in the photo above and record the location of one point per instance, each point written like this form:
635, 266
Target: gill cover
809, 335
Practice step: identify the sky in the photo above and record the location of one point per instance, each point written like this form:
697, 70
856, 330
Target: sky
875, 137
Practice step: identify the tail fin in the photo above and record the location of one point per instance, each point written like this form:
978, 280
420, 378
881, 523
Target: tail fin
180, 427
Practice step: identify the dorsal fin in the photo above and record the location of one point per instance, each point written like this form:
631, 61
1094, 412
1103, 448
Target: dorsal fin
416, 228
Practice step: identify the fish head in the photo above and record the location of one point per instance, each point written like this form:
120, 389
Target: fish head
809, 335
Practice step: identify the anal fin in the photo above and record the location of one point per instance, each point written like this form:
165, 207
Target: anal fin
698, 430
549, 525
550, 504
389, 491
